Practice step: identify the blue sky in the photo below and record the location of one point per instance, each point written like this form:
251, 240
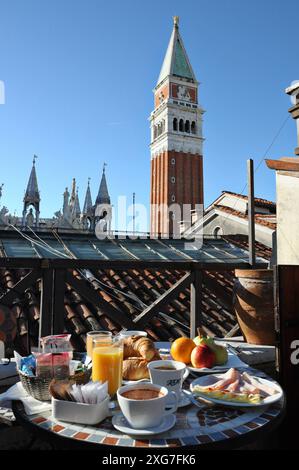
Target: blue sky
79, 77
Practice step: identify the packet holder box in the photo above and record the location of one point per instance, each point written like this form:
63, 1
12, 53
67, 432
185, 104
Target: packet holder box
81, 413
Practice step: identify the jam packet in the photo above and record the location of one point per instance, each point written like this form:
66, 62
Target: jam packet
49, 365
56, 343
28, 365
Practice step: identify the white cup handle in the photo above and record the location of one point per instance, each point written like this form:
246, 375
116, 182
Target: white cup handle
186, 373
174, 407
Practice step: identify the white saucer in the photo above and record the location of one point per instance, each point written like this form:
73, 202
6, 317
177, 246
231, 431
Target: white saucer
185, 398
121, 424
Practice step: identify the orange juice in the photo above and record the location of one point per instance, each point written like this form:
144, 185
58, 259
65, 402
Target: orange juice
92, 335
107, 364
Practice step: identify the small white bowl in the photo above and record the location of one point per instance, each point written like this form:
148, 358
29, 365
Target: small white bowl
82, 413
127, 333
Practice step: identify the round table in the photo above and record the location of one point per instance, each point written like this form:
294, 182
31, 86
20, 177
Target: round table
207, 426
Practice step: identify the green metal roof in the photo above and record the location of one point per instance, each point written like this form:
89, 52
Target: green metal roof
176, 60
181, 66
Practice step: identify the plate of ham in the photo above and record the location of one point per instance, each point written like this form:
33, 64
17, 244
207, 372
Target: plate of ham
236, 388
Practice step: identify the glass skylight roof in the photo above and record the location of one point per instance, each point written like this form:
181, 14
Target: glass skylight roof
82, 247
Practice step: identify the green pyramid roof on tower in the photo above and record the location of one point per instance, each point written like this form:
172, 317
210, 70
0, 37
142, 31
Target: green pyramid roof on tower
176, 61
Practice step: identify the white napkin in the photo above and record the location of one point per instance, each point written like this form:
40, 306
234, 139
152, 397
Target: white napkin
31, 405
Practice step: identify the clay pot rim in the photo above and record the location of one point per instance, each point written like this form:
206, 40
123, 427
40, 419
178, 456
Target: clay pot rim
254, 273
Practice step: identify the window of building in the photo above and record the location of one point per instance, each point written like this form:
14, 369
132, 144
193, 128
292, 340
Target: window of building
172, 179
172, 198
217, 232
193, 127
181, 125
175, 124
187, 126
173, 161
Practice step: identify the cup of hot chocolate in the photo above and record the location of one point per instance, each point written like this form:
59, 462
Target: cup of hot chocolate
144, 404
169, 374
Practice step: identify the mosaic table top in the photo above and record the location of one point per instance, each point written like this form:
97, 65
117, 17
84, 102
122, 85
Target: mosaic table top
195, 425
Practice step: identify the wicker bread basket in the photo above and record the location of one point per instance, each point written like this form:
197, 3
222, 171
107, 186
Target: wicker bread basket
38, 387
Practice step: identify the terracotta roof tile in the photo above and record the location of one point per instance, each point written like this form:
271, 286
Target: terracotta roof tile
259, 218
258, 201
115, 287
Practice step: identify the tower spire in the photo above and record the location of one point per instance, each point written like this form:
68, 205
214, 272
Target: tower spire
76, 207
32, 192
103, 194
32, 196
176, 61
87, 208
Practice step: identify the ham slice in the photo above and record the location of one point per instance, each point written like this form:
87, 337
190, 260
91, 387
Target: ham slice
265, 389
234, 382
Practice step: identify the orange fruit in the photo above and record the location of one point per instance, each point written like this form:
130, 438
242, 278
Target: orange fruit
181, 349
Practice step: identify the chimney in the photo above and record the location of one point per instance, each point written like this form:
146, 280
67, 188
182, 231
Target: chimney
293, 91
287, 195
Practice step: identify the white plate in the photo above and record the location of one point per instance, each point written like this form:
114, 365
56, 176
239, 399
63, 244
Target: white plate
206, 379
232, 361
121, 424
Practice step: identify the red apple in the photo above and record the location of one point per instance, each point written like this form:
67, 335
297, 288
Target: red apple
203, 356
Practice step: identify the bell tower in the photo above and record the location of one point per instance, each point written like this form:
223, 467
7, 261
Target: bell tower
176, 140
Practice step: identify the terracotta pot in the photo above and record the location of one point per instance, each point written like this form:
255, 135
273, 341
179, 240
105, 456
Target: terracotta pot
253, 302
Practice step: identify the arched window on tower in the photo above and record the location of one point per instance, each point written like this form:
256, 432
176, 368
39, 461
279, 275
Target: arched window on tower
181, 125
193, 127
155, 132
175, 124
187, 126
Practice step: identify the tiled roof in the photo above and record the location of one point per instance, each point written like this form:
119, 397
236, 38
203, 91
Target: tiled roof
258, 201
261, 219
129, 292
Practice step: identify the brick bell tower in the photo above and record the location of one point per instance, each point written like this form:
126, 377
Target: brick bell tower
176, 139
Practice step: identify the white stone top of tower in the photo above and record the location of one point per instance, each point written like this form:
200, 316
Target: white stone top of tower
176, 61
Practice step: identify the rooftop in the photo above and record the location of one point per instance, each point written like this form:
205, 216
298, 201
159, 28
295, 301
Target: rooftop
127, 290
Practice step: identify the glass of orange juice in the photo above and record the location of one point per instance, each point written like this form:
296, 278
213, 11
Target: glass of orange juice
91, 335
107, 362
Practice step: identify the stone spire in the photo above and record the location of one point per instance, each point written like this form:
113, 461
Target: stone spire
176, 61
103, 195
73, 195
87, 209
76, 209
32, 193
32, 197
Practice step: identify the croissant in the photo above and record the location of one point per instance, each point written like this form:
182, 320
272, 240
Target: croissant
135, 368
139, 346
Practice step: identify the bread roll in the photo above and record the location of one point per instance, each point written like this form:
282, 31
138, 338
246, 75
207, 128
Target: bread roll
135, 368
139, 346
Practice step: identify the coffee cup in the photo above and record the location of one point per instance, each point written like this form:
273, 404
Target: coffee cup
144, 404
169, 374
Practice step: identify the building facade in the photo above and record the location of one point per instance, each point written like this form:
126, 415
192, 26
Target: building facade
70, 216
176, 141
